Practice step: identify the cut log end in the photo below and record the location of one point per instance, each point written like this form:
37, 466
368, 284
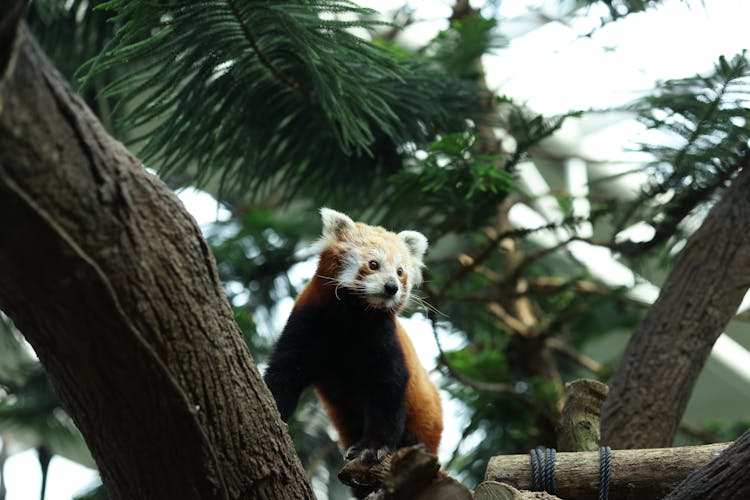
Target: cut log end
492, 490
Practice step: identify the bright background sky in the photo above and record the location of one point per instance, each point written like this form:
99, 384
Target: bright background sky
552, 67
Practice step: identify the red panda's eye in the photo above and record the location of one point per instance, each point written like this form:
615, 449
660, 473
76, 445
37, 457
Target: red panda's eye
400, 271
374, 265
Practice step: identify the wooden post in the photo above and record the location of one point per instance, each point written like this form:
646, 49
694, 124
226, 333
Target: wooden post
579, 420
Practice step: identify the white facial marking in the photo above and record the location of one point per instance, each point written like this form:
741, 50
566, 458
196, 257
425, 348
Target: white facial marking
373, 284
370, 258
350, 269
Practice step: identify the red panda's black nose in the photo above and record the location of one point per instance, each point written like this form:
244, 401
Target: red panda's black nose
391, 288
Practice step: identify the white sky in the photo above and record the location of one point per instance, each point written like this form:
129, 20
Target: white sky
64, 480
553, 69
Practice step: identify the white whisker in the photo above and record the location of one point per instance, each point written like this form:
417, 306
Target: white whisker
426, 305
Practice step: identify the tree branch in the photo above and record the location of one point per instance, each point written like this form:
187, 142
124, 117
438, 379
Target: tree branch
136, 333
644, 474
654, 380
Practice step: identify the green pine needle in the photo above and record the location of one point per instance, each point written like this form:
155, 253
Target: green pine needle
253, 92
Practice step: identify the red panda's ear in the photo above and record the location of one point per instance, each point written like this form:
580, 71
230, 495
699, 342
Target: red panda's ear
335, 224
416, 243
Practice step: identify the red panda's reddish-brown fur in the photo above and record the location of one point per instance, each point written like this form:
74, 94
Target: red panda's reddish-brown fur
338, 320
424, 416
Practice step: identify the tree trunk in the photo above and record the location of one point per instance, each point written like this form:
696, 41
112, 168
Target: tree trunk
653, 382
725, 477
111, 282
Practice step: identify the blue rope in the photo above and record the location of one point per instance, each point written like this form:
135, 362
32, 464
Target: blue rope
536, 480
543, 469
551, 456
605, 472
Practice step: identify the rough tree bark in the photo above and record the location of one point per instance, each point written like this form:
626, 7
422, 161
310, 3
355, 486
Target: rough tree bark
653, 382
724, 477
109, 279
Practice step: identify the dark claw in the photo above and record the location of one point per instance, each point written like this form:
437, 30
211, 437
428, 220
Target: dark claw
368, 455
353, 452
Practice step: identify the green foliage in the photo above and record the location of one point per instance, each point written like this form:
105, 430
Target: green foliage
254, 252
706, 121
459, 48
451, 181
485, 364
221, 87
254, 248
712, 431
455, 183
527, 127
728, 431
318, 450
483, 437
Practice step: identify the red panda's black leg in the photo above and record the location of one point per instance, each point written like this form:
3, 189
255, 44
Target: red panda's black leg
290, 369
286, 386
384, 418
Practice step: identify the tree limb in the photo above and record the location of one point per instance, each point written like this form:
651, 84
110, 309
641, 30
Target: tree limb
653, 382
643, 474
111, 282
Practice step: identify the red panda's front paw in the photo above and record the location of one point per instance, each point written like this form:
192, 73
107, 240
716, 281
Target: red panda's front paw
368, 455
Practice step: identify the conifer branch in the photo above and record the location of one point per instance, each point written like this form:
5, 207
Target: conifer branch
261, 57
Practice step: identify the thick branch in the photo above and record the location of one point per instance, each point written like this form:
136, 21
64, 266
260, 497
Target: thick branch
109, 279
642, 474
653, 382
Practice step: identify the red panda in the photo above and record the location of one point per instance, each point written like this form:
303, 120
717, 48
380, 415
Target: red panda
344, 339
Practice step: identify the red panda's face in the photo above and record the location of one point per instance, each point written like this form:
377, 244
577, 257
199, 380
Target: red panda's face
376, 265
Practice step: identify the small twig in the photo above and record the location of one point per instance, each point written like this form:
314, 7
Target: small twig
480, 386
697, 432
471, 263
588, 363
507, 318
